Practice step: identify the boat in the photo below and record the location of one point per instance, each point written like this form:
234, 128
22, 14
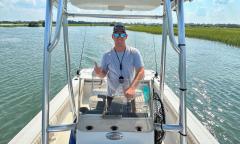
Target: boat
78, 113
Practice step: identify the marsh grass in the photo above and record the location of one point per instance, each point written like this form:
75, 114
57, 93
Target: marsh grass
230, 36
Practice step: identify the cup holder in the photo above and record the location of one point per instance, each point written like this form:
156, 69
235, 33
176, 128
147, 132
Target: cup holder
139, 128
89, 128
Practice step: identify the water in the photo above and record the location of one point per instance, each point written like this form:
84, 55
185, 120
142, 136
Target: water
213, 74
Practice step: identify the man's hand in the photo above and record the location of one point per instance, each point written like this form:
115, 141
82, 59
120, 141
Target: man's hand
130, 92
99, 71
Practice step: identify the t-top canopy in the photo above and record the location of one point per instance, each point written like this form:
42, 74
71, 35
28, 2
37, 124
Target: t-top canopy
117, 5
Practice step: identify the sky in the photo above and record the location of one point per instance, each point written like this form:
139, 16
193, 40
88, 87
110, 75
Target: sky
196, 11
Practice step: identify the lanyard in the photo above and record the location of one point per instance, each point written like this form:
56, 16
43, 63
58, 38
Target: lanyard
120, 62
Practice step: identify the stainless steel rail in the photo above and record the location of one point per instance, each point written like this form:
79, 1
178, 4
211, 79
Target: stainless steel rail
60, 128
46, 71
58, 26
163, 54
48, 47
168, 29
180, 49
182, 72
67, 60
173, 42
166, 127
115, 16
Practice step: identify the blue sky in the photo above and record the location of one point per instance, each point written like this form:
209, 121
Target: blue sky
197, 11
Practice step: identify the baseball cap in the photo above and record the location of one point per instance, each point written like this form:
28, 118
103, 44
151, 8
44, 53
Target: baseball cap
119, 27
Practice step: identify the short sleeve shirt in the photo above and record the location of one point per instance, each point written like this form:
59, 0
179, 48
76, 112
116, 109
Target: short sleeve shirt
110, 63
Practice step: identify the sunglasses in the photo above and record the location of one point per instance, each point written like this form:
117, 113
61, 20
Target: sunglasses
117, 35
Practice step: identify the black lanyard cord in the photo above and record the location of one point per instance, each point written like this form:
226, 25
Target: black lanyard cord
120, 62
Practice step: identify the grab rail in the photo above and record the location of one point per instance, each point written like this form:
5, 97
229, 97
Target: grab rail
58, 26
48, 47
116, 16
168, 127
59, 128
170, 26
68, 68
180, 49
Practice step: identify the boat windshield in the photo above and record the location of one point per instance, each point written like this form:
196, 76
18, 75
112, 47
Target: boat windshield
111, 101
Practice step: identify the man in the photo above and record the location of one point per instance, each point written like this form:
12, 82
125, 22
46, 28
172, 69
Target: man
121, 65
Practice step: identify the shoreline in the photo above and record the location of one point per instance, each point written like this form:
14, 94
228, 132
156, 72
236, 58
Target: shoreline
229, 36
14, 25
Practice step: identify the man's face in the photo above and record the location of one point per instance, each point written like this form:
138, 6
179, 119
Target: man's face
119, 38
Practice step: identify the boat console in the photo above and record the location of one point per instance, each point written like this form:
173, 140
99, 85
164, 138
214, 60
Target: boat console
98, 114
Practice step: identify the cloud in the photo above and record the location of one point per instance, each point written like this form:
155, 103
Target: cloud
23, 3
22, 9
197, 11
30, 14
222, 2
30, 3
1, 4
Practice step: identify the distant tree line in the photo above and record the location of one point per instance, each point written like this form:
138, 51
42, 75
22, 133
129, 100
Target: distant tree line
42, 23
33, 24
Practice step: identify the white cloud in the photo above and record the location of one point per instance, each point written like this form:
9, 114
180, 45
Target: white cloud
23, 14
197, 11
1, 4
220, 1
216, 11
22, 10
33, 2
23, 3
223, 2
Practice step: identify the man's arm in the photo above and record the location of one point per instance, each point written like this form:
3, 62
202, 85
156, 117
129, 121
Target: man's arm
138, 77
130, 92
139, 67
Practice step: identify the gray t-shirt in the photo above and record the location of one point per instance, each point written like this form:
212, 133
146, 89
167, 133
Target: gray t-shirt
111, 60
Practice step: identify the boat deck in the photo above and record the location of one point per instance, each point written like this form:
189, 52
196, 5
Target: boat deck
61, 137
60, 112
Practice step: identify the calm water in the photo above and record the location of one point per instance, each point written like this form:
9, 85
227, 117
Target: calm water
213, 75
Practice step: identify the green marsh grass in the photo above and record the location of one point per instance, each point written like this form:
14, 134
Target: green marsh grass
230, 36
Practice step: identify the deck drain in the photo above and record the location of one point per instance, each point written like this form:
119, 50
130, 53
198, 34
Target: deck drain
114, 128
